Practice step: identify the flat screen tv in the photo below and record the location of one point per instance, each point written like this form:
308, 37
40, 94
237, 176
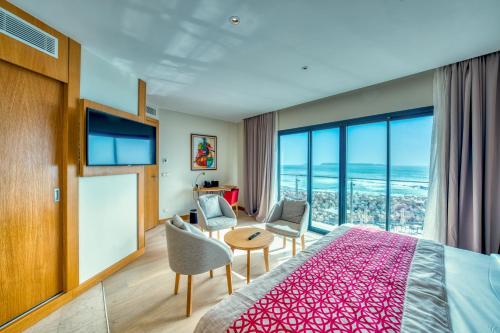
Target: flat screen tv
113, 141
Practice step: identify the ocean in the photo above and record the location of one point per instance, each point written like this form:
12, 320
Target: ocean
365, 178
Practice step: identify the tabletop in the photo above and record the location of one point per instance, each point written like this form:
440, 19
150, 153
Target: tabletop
238, 239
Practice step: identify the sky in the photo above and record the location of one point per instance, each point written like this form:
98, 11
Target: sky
410, 144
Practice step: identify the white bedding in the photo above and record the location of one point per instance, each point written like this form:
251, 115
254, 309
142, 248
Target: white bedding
473, 304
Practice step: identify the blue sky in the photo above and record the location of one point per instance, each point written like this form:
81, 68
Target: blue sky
410, 144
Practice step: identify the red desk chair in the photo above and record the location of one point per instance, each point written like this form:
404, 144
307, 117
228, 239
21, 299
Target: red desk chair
232, 198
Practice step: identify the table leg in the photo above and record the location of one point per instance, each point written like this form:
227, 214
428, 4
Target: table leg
248, 266
266, 258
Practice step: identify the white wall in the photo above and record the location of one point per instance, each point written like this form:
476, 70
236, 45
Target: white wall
107, 205
401, 94
108, 221
176, 177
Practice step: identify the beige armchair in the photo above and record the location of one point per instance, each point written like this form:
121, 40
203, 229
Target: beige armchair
190, 252
289, 218
215, 213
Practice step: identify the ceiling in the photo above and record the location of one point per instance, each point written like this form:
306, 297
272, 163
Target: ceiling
195, 61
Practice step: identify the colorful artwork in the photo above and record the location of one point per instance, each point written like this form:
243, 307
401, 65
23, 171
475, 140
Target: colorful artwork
203, 152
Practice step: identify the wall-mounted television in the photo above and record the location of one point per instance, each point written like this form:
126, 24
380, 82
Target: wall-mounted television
113, 141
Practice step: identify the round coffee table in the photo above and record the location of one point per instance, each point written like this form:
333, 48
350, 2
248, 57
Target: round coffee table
238, 239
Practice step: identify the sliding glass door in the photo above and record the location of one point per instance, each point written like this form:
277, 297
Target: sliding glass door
410, 151
325, 171
371, 171
366, 179
293, 165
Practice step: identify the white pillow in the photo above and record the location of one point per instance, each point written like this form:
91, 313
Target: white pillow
293, 210
178, 222
210, 206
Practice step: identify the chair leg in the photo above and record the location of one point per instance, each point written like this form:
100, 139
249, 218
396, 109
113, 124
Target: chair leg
176, 288
211, 274
218, 235
210, 234
284, 241
189, 304
294, 247
303, 242
229, 279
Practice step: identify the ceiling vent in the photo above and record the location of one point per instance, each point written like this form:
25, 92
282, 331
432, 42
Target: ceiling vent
151, 112
27, 33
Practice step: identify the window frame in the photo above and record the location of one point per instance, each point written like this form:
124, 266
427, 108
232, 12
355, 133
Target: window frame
342, 126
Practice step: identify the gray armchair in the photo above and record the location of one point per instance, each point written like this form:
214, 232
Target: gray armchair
190, 252
215, 213
289, 222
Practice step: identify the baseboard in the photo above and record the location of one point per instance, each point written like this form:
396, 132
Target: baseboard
43, 311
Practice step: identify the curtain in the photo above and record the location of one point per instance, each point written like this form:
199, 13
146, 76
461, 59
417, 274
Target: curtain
260, 140
464, 197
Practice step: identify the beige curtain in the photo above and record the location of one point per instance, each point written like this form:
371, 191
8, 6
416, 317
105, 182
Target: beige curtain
464, 197
260, 140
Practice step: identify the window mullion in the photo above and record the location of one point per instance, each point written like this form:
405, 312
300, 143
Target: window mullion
388, 175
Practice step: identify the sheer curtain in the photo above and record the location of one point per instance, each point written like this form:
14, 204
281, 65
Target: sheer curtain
464, 196
260, 141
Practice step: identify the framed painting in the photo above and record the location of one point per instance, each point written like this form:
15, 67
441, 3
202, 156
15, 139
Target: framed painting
203, 152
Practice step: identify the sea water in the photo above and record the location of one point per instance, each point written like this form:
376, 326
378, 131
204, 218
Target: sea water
360, 177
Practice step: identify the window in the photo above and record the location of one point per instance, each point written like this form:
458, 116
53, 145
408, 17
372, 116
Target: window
366, 178
370, 171
410, 146
293, 165
325, 178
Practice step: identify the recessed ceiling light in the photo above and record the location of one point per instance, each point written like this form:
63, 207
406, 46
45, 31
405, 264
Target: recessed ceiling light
305, 68
235, 20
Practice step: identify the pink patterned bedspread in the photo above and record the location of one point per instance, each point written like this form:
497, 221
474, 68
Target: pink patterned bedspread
355, 284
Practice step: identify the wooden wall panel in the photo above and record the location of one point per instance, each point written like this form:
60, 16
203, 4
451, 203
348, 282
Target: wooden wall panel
71, 153
30, 221
151, 187
25, 56
142, 100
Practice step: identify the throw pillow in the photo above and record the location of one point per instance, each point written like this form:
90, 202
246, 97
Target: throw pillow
210, 206
177, 221
293, 210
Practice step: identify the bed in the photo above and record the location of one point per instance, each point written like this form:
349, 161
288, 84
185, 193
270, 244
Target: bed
401, 285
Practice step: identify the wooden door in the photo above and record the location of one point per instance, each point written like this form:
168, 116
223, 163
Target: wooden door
151, 197
30, 219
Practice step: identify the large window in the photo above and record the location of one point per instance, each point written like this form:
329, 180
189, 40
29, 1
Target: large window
325, 178
371, 171
366, 179
294, 165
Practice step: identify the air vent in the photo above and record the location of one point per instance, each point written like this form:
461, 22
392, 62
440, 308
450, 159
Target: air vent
151, 112
26, 33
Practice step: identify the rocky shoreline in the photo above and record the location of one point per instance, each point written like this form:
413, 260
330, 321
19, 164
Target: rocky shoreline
407, 211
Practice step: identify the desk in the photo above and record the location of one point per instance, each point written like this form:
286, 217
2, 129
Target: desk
212, 189
219, 190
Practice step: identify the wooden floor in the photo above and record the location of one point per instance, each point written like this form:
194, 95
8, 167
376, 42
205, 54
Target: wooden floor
140, 297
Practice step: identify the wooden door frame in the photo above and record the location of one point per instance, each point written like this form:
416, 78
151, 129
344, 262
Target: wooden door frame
66, 69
